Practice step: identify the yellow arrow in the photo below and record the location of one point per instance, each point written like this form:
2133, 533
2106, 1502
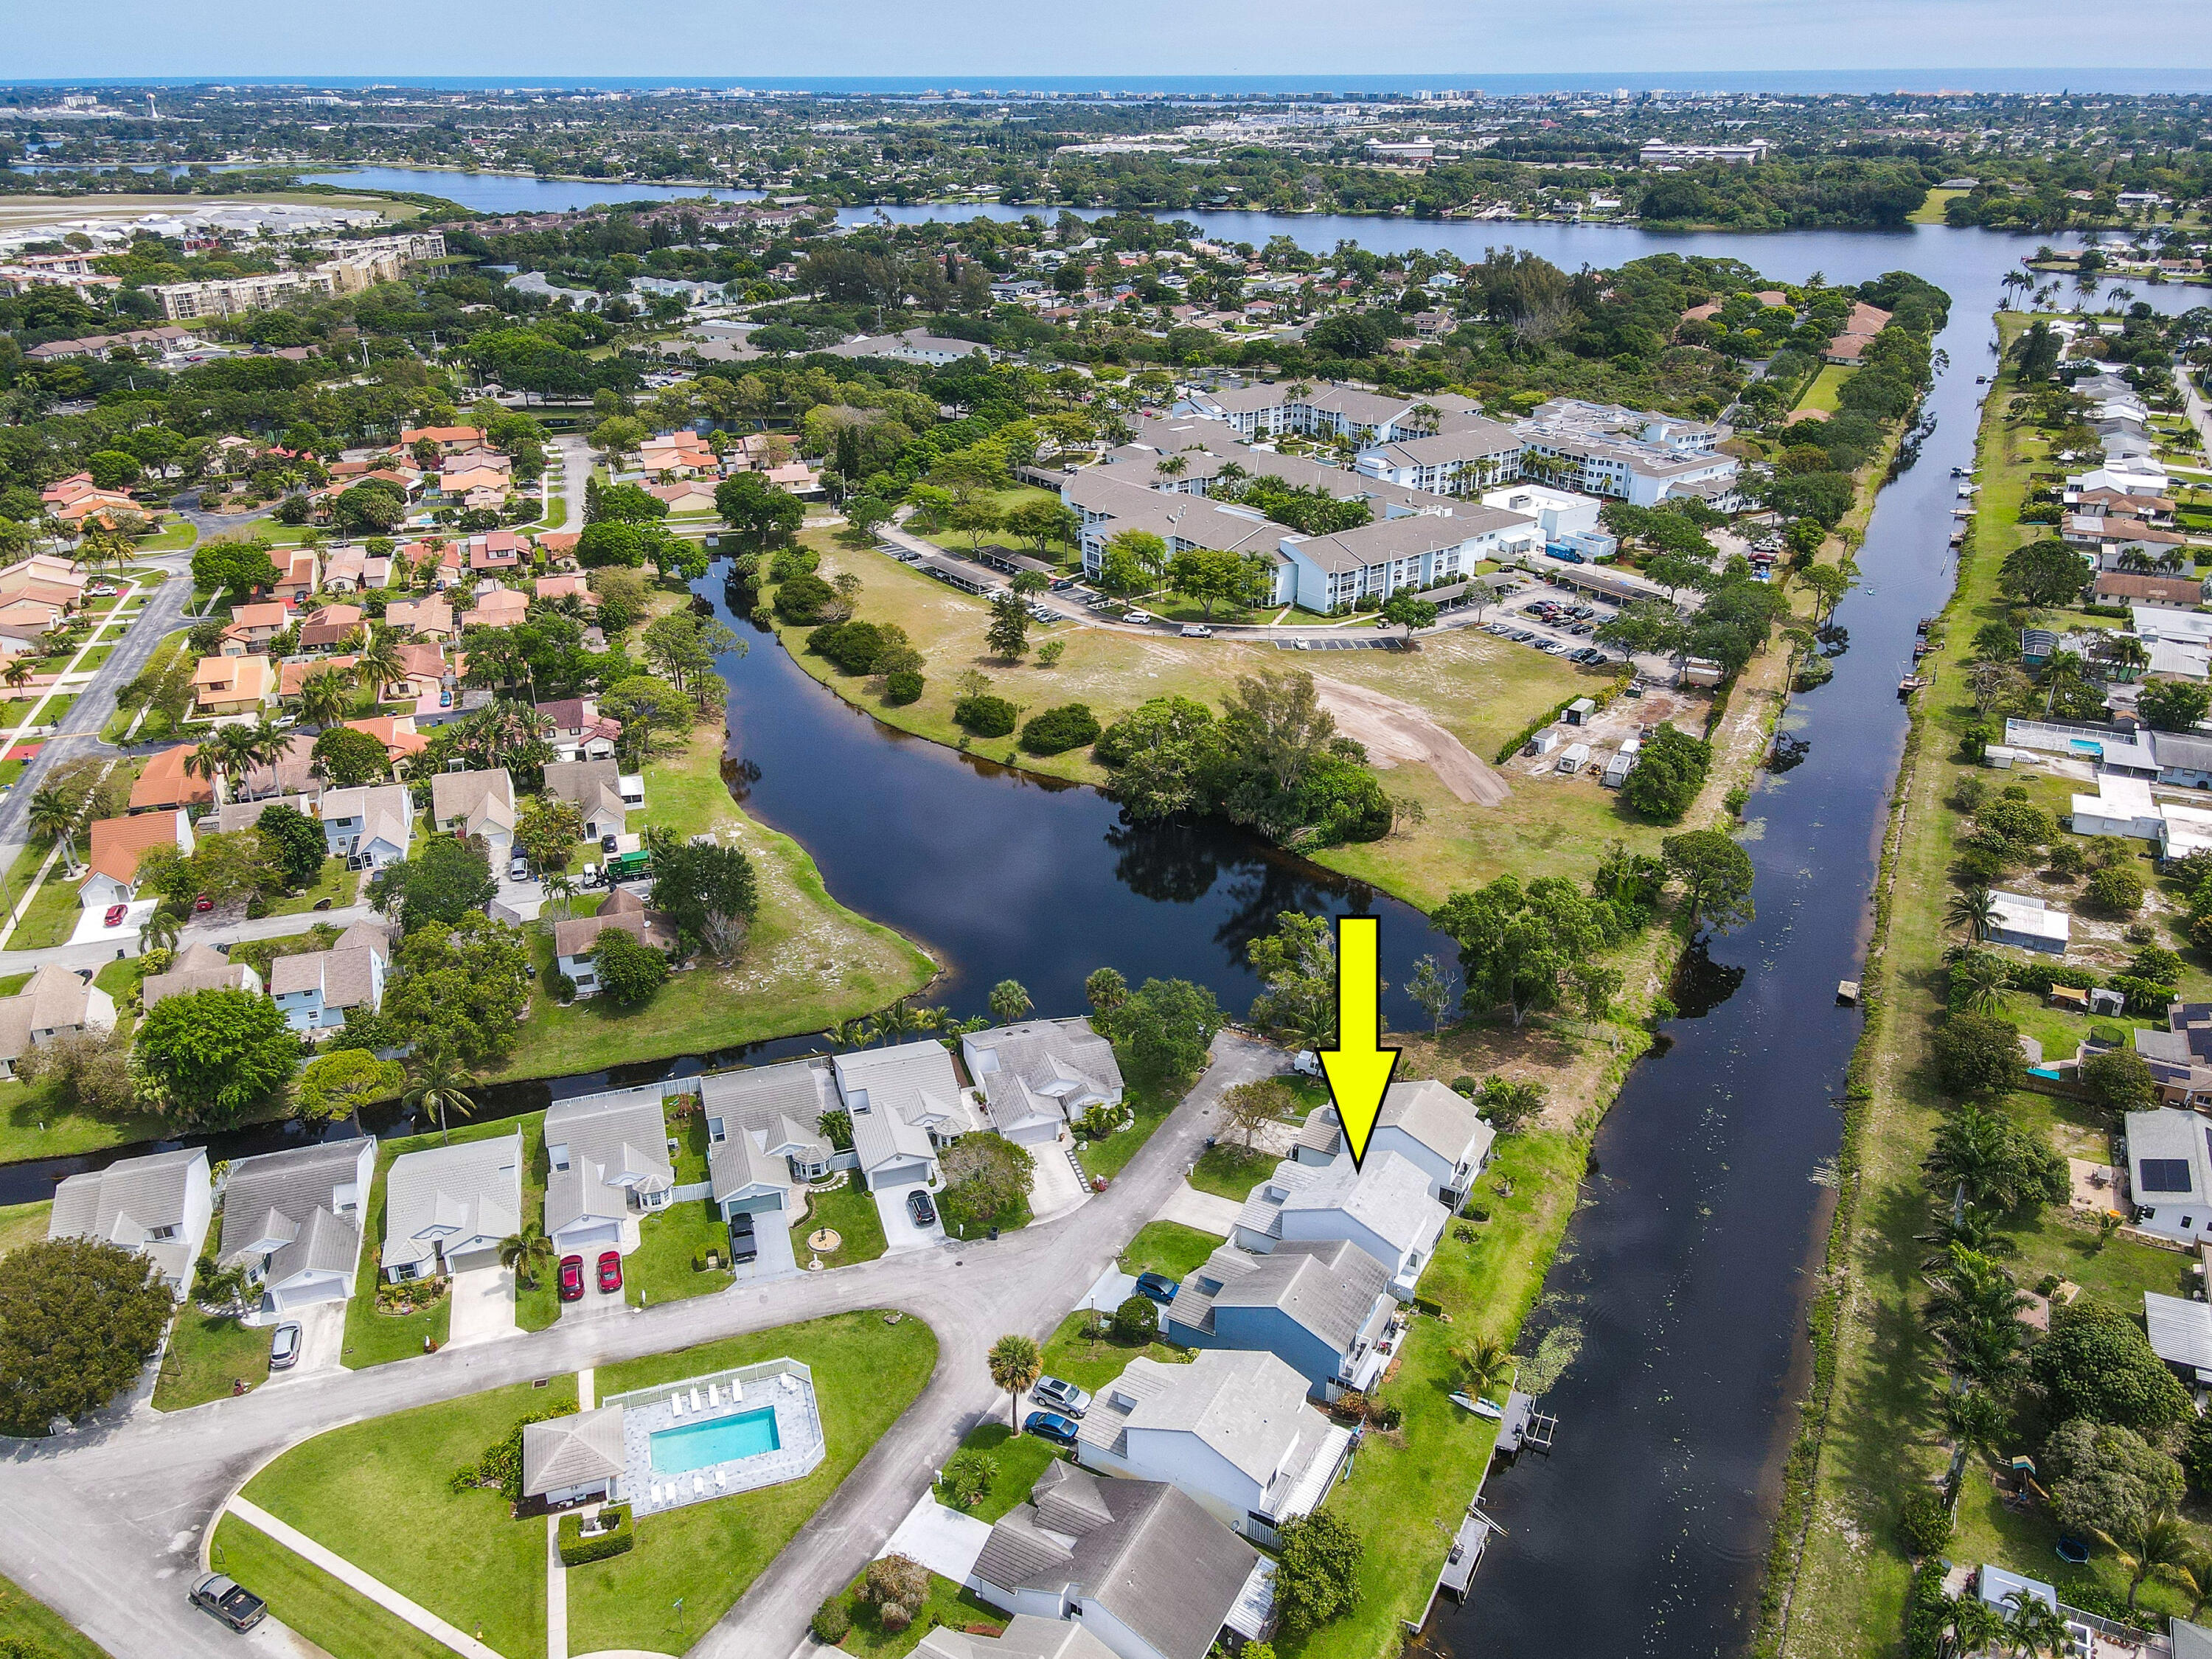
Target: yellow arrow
1359, 1068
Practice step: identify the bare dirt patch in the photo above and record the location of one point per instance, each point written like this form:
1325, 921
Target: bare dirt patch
1396, 732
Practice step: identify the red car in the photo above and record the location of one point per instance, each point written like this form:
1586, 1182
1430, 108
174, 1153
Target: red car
572, 1278
610, 1271
203, 905
115, 915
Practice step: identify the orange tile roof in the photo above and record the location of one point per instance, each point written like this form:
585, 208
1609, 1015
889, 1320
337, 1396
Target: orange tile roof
118, 844
164, 781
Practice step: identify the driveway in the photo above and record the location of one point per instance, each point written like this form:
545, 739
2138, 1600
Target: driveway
483, 1306
594, 1303
1055, 1188
899, 1231
1207, 1212
322, 1340
943, 1540
779, 1248
92, 927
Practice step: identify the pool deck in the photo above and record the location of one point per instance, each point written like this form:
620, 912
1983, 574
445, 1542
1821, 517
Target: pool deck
798, 1429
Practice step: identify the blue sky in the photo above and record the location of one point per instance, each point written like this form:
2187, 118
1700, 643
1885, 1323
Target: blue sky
1458, 40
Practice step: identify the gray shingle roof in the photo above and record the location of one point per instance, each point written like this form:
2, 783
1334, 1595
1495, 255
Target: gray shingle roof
1027, 1637
128, 1200
572, 1451
895, 1096
1245, 1406
1326, 1286
623, 1131
782, 1100
293, 1184
469, 1190
1389, 1196
1052, 1068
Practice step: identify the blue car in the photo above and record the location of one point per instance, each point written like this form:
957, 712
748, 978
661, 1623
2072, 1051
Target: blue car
1158, 1286
1050, 1425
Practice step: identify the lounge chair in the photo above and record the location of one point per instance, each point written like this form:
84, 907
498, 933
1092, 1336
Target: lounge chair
660, 1493
698, 1486
696, 1405
713, 1400
721, 1479
736, 1393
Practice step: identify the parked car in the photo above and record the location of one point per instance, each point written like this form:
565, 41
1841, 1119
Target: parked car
919, 1206
1051, 1425
284, 1347
115, 915
743, 1246
235, 1605
572, 1278
518, 868
202, 905
1158, 1286
1196, 631
608, 843
609, 1271
1062, 1396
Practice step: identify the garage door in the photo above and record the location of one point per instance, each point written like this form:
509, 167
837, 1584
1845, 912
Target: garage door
599, 1235
758, 1204
899, 1174
461, 1261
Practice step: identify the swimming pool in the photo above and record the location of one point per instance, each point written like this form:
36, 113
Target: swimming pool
724, 1440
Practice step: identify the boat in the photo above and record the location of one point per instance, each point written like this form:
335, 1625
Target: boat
1479, 1405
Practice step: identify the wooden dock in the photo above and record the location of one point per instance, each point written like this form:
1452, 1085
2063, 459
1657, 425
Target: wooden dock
1468, 1547
1525, 1427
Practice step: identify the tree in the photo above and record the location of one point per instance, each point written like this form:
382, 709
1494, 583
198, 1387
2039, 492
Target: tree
1433, 988
2118, 1080
88, 1071
2157, 1543
629, 969
986, 1181
1717, 878
1131, 559
684, 646
2117, 890
1992, 1161
447, 878
1979, 982
79, 1318
751, 505
897, 1586
1106, 990
1015, 1366
2173, 705
326, 696
346, 759
1213, 575
867, 515
1975, 909
1978, 1054
336, 1085
1250, 1107
1827, 584
1484, 1363
643, 705
547, 830
2096, 1363
295, 844
1296, 965
236, 567
1516, 945
1009, 1001
438, 1084
1008, 635
708, 891
1136, 1322
1318, 1576
1059, 729
1274, 721
1651, 628
1163, 1031
2105, 1478
2044, 574
526, 1251
207, 1058
1670, 769
1507, 1103
1411, 612
1038, 519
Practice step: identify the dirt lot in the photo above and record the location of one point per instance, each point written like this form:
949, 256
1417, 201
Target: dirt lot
1610, 727
1396, 732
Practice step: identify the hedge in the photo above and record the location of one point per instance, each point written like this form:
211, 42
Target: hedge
576, 1550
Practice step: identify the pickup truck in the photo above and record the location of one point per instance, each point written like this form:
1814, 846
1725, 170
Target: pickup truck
236, 1605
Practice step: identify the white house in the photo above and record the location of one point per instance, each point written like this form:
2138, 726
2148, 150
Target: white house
292, 1219
575, 940
316, 989
1438, 1130
1027, 1636
2027, 922
905, 1103
764, 1134
1384, 1207
447, 1208
477, 804
114, 848
198, 968
578, 1459
2121, 807
158, 1206
607, 1157
1138, 1564
1041, 1075
599, 790
1233, 1429
1386, 556
57, 1002
369, 827
2169, 1173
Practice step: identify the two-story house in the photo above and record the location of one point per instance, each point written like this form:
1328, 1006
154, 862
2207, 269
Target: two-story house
369, 827
114, 848
480, 804
1438, 1130
315, 990
598, 789
158, 1206
1323, 1307
57, 1002
1385, 1206
622, 910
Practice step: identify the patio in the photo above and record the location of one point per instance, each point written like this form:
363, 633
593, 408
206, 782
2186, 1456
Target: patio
784, 1386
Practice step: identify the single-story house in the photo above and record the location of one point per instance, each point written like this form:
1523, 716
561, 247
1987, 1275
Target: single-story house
1438, 1129
430, 619
598, 790
2180, 1330
163, 782
369, 827
1323, 1307
115, 848
2169, 1173
1385, 1206
447, 1208
235, 815
1041, 1075
232, 685
292, 1219
905, 1103
198, 968
293, 674
2028, 924
316, 990
159, 1205
1233, 1428
475, 804
577, 1459
1139, 1564
764, 1133
574, 940
57, 1002
608, 1163
502, 607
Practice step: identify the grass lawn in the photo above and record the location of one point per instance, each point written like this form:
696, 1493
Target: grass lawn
50, 1636
23, 1223
346, 1624
1091, 1362
34, 1124
808, 962
1930, 211
377, 1492
52, 916
172, 537
1230, 1171
1108, 1158
865, 1373
1821, 394
660, 1269
848, 1210
1020, 1459
1480, 688
336, 884
948, 1604
1170, 1247
207, 1354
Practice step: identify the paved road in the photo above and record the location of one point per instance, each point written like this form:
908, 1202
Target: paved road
105, 1524
92, 954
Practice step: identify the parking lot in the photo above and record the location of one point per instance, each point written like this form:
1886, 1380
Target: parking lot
1558, 624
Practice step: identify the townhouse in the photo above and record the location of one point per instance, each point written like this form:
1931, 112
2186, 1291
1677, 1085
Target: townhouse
1323, 1307
1384, 1206
230, 686
764, 1136
905, 1103
1436, 1128
56, 1002
158, 1206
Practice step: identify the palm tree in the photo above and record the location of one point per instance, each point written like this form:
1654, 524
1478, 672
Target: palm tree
2193, 1573
234, 751
1484, 1363
1974, 1625
1974, 1313
2062, 673
438, 1084
54, 818
1976, 1230
1976, 1419
2161, 1541
850, 1033
325, 698
17, 673
560, 889
1974, 1154
2036, 1626
1975, 909
160, 930
379, 666
1015, 1365
1979, 980
1170, 467
894, 1022
526, 1251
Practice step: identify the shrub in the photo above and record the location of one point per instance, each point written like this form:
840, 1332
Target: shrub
2097, 1363
804, 599
1071, 726
902, 688
985, 715
2117, 890
1669, 772
1927, 1610
986, 1183
2146, 999
1924, 1525
854, 646
576, 1550
1978, 1054
1136, 1321
832, 1621
967, 1477
895, 1581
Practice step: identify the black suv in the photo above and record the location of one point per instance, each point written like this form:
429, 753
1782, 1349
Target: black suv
236, 1605
744, 1247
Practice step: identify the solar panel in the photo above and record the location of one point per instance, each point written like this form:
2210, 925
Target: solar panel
2164, 1175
